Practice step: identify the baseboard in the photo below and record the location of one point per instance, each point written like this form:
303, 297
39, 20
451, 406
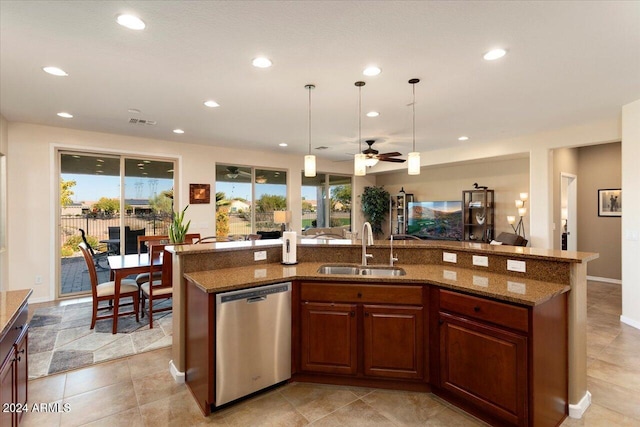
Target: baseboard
605, 280
578, 410
629, 321
178, 376
39, 300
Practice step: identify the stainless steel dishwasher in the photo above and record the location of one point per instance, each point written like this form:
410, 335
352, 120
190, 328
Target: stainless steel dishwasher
253, 340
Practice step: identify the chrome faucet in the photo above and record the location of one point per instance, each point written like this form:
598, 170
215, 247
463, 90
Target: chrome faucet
392, 258
367, 239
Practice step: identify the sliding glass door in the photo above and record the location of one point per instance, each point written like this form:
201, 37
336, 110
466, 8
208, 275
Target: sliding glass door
108, 197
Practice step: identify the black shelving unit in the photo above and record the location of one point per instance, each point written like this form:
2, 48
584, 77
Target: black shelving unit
478, 215
398, 212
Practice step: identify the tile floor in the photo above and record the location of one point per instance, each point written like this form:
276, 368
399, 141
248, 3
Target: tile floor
138, 391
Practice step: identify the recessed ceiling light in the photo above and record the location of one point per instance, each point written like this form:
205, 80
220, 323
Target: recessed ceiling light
65, 115
463, 138
170, 171
131, 22
99, 160
211, 103
373, 114
99, 172
55, 71
180, 131
262, 62
134, 111
145, 173
372, 71
283, 144
147, 161
494, 54
140, 164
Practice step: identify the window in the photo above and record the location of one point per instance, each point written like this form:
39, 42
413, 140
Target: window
246, 198
326, 201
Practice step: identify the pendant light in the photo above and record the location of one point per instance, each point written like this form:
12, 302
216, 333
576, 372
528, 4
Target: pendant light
310, 159
359, 160
414, 156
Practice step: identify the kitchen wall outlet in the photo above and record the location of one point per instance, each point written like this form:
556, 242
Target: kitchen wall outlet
38, 280
260, 256
450, 275
449, 257
482, 261
513, 265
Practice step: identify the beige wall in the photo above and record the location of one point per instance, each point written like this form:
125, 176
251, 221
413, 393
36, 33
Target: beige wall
32, 189
508, 177
4, 143
599, 167
564, 160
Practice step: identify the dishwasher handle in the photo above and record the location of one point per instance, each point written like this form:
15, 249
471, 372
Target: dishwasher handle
256, 299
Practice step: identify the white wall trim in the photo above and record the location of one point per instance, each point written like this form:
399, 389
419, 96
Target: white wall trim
605, 280
178, 376
629, 321
578, 410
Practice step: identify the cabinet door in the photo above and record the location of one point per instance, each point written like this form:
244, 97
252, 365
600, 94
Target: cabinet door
7, 391
22, 373
484, 365
328, 338
393, 341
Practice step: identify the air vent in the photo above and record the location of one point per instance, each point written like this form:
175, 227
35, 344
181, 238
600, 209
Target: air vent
322, 147
135, 121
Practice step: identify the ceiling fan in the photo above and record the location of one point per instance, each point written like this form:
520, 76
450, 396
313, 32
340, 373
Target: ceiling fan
373, 155
233, 172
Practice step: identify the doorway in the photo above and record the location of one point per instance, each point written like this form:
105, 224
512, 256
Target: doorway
112, 199
568, 211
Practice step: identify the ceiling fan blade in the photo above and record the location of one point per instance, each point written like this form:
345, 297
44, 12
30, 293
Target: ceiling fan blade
392, 154
391, 159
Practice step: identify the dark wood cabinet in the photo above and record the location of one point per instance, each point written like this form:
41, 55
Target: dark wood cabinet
14, 370
329, 338
505, 363
362, 330
393, 341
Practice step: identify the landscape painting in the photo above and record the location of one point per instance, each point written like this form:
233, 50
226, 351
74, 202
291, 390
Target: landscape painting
435, 220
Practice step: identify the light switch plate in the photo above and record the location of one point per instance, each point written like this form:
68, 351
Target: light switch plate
516, 287
449, 257
481, 281
482, 261
519, 266
260, 255
450, 275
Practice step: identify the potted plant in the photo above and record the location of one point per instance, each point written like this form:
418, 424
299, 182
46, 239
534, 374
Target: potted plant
178, 229
375, 206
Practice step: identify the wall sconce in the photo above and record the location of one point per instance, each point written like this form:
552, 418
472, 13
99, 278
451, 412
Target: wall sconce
282, 217
522, 211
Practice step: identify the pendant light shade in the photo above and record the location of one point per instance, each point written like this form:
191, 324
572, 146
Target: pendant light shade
414, 156
310, 159
359, 160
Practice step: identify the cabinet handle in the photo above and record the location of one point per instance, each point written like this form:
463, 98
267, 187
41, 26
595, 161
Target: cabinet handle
359, 294
366, 314
19, 358
21, 327
352, 313
476, 308
21, 351
441, 322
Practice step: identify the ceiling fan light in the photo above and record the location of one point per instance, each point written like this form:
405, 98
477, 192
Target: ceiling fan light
414, 163
359, 165
370, 161
309, 165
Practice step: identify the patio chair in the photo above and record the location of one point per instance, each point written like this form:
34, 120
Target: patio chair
106, 291
97, 257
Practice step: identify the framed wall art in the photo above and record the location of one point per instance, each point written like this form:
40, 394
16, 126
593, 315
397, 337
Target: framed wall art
610, 202
199, 193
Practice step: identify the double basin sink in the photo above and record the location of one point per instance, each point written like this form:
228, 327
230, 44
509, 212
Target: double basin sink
362, 270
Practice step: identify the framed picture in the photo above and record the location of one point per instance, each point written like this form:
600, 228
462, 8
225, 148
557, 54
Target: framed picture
199, 193
610, 202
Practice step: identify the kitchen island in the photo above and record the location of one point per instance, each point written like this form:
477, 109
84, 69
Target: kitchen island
535, 320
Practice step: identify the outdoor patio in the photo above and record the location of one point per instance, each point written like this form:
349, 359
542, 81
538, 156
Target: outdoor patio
75, 277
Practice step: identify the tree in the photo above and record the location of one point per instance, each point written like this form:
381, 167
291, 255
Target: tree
271, 203
341, 194
161, 204
107, 205
66, 192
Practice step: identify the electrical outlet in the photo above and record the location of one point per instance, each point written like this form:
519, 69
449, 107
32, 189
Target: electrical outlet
38, 280
516, 287
450, 275
482, 261
449, 257
260, 256
513, 265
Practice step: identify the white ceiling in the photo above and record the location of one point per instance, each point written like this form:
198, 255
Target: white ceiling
568, 63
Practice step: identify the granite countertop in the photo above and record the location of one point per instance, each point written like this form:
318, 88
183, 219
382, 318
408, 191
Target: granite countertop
514, 251
502, 287
10, 304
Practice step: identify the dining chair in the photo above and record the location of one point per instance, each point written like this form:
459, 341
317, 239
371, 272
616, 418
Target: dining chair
145, 242
106, 291
161, 288
254, 236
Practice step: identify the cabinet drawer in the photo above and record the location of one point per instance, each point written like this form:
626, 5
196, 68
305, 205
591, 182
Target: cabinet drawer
13, 332
349, 292
483, 309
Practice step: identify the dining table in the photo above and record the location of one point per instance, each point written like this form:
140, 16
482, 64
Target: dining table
122, 266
